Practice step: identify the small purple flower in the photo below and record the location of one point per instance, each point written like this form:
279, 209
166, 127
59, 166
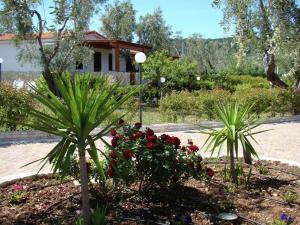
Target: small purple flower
286, 218
188, 219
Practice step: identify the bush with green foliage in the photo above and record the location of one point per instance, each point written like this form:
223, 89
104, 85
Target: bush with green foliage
13, 107
203, 104
151, 160
180, 74
177, 105
206, 102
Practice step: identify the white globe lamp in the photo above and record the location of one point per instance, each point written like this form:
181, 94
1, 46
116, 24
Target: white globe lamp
140, 57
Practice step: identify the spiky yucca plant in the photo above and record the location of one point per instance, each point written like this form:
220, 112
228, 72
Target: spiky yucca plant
86, 102
238, 125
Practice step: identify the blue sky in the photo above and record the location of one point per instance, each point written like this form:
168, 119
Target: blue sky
189, 16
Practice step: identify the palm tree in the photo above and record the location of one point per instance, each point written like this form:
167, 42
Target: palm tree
85, 103
238, 126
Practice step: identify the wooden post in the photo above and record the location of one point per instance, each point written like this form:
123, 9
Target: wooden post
117, 58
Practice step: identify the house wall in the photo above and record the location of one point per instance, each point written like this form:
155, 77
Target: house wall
9, 52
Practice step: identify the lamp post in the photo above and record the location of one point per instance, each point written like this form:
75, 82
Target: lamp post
162, 81
140, 58
1, 61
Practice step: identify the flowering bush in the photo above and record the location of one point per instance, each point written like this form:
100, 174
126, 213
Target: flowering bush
142, 156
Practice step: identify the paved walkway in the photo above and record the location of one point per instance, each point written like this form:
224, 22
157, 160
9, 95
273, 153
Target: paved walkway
281, 143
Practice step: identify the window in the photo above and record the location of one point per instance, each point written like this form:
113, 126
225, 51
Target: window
110, 62
97, 62
79, 66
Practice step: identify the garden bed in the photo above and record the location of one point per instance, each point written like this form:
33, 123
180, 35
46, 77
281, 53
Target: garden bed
46, 201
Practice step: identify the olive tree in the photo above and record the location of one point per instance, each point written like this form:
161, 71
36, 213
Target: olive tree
269, 25
68, 24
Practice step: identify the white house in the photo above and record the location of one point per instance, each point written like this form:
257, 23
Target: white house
106, 58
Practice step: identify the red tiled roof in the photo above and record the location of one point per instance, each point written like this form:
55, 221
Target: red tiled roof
47, 35
7, 37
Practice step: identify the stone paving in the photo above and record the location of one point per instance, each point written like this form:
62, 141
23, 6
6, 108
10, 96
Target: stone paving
281, 143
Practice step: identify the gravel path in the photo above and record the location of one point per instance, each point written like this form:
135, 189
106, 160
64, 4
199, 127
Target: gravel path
282, 143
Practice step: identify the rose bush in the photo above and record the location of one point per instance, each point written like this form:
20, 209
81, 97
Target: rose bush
152, 160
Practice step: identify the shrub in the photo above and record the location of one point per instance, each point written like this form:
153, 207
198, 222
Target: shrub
143, 157
296, 103
206, 102
262, 99
290, 196
177, 105
13, 106
246, 81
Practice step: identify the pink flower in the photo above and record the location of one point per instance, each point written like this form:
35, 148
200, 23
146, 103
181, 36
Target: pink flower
18, 187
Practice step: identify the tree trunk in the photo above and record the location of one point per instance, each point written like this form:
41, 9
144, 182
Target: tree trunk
247, 157
84, 188
232, 164
269, 64
48, 76
297, 83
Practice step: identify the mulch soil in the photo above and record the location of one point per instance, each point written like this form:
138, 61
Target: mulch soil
48, 200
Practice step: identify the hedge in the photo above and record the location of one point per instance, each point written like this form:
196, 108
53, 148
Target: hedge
202, 104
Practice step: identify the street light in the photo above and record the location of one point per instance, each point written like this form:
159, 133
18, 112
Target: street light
1, 61
198, 78
162, 80
140, 58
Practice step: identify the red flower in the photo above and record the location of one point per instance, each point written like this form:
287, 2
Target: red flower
175, 141
114, 141
210, 172
137, 125
113, 163
113, 132
132, 137
110, 172
190, 142
138, 135
151, 138
193, 148
150, 145
127, 154
165, 137
113, 155
149, 132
